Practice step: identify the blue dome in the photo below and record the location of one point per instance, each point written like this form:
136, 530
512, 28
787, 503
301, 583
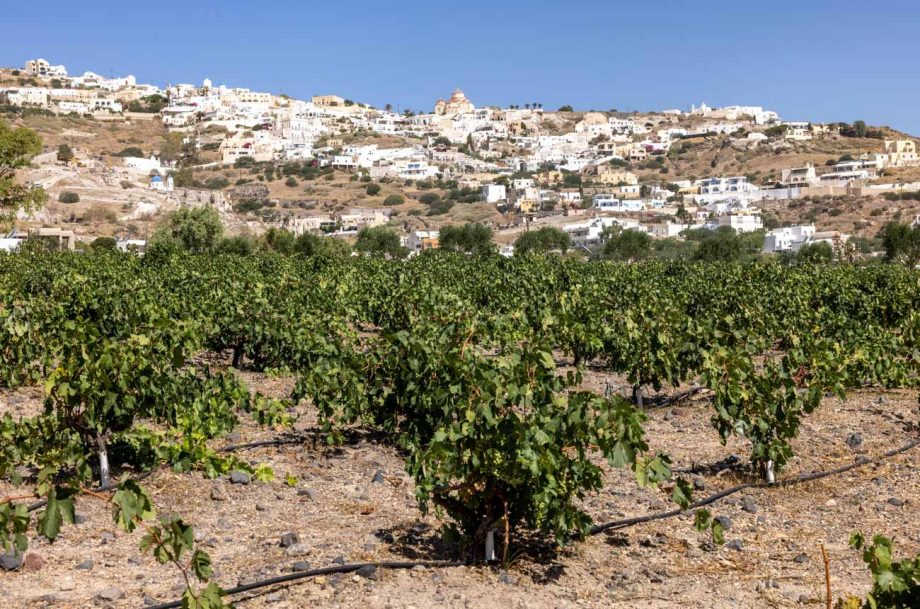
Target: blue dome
156, 179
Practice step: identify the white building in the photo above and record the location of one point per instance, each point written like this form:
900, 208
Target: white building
40, 68
494, 193
158, 183
742, 223
788, 238
606, 202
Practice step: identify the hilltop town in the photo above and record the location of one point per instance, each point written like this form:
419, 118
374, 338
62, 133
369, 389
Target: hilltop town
330, 166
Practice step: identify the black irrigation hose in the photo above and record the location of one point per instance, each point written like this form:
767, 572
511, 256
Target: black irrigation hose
792, 481
593, 531
324, 571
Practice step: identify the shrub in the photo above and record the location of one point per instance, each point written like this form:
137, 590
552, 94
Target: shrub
541, 241
291, 182
393, 200
126, 184
428, 198
130, 151
69, 197
372, 189
104, 243
217, 183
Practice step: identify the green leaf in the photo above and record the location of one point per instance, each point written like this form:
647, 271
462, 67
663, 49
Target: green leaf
682, 494
201, 565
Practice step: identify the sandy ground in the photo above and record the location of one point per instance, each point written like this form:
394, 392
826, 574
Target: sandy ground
338, 512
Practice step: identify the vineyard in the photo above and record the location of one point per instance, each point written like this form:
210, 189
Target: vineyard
534, 412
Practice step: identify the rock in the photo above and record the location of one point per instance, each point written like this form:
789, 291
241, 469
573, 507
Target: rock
881, 400
110, 594
309, 493
300, 565
65, 584
725, 521
368, 572
339, 560
289, 539
261, 507
736, 544
298, 549
33, 562
86, 565
748, 504
378, 478
254, 192
801, 558
79, 519
218, 493
896, 502
10, 561
106, 537
506, 579
668, 415
149, 601
239, 478
699, 484
854, 440
830, 503
437, 578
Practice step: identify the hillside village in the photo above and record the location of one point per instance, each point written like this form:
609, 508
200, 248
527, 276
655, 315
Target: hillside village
332, 166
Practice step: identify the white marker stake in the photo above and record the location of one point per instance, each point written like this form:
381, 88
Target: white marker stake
490, 546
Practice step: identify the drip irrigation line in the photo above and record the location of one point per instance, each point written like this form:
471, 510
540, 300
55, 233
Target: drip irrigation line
350, 568
619, 524
785, 482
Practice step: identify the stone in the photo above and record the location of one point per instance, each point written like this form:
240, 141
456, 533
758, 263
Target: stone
260, 507
725, 521
736, 544
896, 502
79, 519
110, 594
309, 493
801, 558
339, 560
298, 549
65, 584
238, 477
881, 400
378, 478
218, 493
748, 504
33, 562
289, 539
506, 579
854, 440
86, 565
830, 503
149, 601
300, 565
368, 572
699, 484
10, 561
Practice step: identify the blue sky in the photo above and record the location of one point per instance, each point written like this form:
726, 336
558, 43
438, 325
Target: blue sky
808, 59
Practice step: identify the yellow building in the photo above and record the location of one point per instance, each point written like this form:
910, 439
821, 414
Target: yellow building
457, 104
608, 174
325, 101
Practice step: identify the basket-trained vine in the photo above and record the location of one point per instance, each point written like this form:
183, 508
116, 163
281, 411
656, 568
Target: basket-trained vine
471, 366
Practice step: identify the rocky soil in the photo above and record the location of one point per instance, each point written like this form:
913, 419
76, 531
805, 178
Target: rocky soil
356, 504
